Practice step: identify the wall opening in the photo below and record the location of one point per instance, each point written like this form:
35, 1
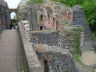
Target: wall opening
53, 21
46, 66
41, 17
41, 27
13, 17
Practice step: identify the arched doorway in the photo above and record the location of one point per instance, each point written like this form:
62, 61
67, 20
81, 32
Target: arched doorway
13, 17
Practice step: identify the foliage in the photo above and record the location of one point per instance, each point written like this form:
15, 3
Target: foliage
89, 7
36, 1
90, 11
70, 2
22, 2
76, 43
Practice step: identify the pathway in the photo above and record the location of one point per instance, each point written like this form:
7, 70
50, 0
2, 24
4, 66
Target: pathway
8, 51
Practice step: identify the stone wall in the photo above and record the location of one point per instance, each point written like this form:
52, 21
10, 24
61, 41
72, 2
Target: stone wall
22, 56
3, 3
29, 12
63, 63
46, 38
54, 15
80, 19
68, 36
4, 15
62, 39
65, 40
58, 62
31, 61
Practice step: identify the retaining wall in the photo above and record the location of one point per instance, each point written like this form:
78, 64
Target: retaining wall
29, 59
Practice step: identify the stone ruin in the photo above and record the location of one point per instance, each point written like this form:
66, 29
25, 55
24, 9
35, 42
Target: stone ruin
29, 12
57, 33
57, 62
4, 15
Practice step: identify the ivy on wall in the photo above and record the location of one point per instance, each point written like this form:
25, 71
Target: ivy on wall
76, 31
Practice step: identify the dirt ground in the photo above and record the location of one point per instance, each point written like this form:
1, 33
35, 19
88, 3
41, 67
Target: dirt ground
88, 57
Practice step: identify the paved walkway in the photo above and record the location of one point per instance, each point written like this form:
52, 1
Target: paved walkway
8, 51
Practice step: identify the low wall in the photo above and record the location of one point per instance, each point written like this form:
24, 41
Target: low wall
22, 56
29, 59
46, 38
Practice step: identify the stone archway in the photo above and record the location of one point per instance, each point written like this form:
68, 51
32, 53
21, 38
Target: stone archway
13, 10
13, 20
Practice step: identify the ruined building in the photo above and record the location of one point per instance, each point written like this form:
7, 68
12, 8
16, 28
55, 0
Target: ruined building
59, 35
29, 12
4, 15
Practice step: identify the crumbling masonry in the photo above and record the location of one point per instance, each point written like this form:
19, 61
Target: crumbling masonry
4, 15
56, 34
